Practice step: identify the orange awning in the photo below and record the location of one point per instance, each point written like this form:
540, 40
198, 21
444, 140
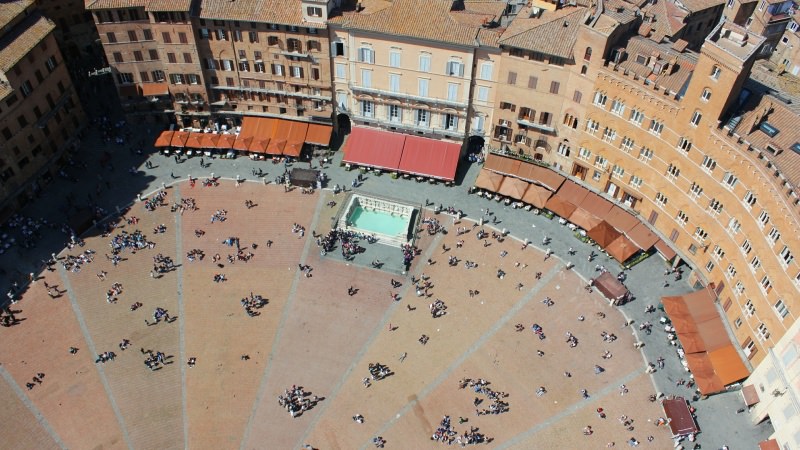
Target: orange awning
154, 89
770, 444
603, 233
179, 138
620, 219
242, 143
488, 180
584, 219
728, 365
194, 140
514, 188
209, 140
666, 251
572, 192
642, 236
319, 134
262, 134
536, 195
622, 249
295, 139
502, 164
164, 139
226, 141
596, 205
560, 206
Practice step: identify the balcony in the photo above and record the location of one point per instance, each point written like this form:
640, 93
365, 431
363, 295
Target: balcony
428, 100
536, 126
410, 128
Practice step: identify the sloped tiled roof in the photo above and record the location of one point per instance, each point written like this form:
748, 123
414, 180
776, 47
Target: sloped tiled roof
779, 115
668, 18
674, 78
168, 5
22, 39
433, 20
112, 4
10, 10
695, 6
552, 33
284, 12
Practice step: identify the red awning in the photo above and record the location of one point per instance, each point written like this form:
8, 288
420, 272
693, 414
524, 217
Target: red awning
319, 134
226, 141
179, 138
242, 142
194, 141
209, 140
771, 444
374, 148
154, 89
164, 139
296, 138
429, 158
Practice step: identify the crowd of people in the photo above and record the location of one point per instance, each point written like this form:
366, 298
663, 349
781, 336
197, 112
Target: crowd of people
297, 400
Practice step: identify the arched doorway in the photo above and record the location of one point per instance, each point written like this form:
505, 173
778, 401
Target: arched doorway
344, 124
475, 144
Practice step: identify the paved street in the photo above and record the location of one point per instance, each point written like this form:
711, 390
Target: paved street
314, 335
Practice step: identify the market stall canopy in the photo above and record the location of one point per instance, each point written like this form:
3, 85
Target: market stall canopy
642, 236
295, 139
164, 139
226, 141
572, 192
603, 233
584, 219
560, 206
488, 180
536, 196
179, 138
502, 164
514, 188
596, 205
194, 140
680, 418
610, 286
319, 134
430, 158
622, 248
535, 173
666, 251
620, 219
374, 148
209, 140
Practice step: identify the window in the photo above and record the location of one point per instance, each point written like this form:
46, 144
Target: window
661, 199
592, 126
26, 88
696, 117
584, 153
706, 95
227, 65
563, 149
715, 206
645, 154
148, 34
600, 162
587, 55
394, 82
600, 99
167, 38
193, 79
774, 235
176, 78
455, 68
763, 219
340, 70
627, 144
673, 172
718, 253
222, 35
618, 107
709, 266
734, 226
477, 123
394, 58
204, 33
153, 53
684, 144
749, 200
533, 82
314, 11
137, 55
277, 69
716, 72
738, 289
730, 180
486, 71
656, 127
597, 175
51, 64
118, 57
366, 78
187, 58
337, 48
366, 55
132, 36
171, 58
253, 35
425, 62
395, 114
731, 271
617, 171
766, 284
112, 38
182, 38
422, 117
738, 322
297, 71
762, 333
786, 257
781, 309
450, 122
452, 92
635, 182
577, 97
367, 108
609, 135
695, 190
682, 217
512, 78
483, 94
554, 87
637, 117
158, 76
422, 87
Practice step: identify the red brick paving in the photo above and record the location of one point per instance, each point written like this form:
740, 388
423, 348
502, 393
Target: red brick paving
20, 427
322, 337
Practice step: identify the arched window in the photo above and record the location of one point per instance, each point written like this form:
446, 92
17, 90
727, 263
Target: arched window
587, 56
584, 69
706, 95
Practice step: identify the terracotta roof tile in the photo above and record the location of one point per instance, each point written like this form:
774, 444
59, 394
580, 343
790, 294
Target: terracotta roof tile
433, 20
699, 5
111, 4
780, 116
22, 39
10, 10
168, 5
672, 79
284, 12
552, 33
